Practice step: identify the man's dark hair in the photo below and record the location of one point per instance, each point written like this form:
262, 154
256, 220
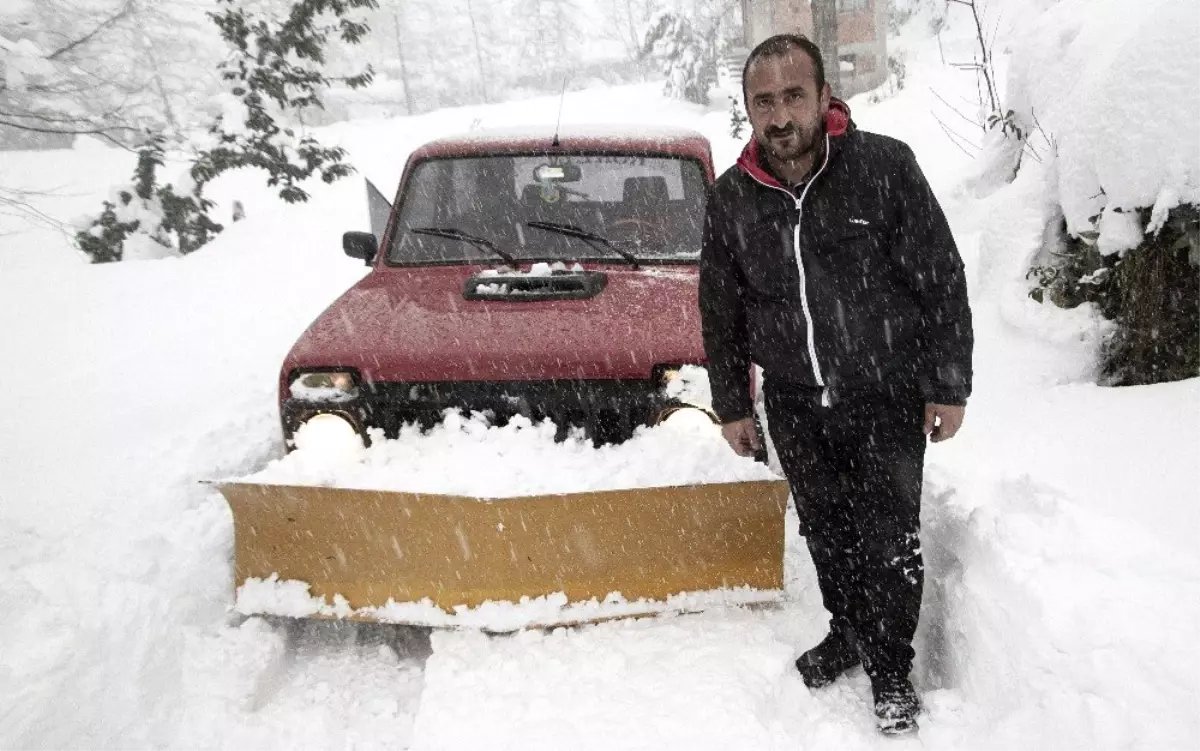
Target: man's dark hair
780, 45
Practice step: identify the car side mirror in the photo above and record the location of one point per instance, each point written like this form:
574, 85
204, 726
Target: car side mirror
360, 245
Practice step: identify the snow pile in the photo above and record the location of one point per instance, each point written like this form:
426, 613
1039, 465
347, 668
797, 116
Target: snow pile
506, 277
1113, 82
691, 386
1073, 631
1019, 222
156, 375
292, 598
465, 455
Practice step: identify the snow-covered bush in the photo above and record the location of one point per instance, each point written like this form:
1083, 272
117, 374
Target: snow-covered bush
151, 214
737, 117
1109, 89
1150, 291
897, 75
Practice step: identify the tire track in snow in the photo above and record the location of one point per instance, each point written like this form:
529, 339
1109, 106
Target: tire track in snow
302, 684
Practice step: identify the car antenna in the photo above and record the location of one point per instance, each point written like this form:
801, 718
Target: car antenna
561, 99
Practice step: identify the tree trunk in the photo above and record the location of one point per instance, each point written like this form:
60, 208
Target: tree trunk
478, 52
408, 102
160, 88
635, 44
825, 31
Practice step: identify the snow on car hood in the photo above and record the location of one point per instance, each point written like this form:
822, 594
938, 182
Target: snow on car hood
413, 324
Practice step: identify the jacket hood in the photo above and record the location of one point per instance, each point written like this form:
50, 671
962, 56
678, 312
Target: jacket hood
837, 123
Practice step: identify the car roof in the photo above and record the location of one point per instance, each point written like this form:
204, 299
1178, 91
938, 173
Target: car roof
633, 138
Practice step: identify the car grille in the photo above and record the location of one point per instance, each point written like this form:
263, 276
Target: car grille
608, 410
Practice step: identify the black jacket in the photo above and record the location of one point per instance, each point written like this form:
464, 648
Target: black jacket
870, 285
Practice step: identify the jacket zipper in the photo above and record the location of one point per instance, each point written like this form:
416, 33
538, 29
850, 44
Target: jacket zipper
808, 321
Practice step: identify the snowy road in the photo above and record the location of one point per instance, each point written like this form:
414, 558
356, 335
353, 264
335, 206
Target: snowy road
717, 680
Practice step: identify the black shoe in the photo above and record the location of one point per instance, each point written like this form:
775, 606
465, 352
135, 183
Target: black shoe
822, 664
896, 705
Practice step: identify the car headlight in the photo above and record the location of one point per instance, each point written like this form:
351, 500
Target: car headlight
330, 439
325, 386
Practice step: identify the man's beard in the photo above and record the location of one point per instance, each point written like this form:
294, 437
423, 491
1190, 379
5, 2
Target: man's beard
805, 141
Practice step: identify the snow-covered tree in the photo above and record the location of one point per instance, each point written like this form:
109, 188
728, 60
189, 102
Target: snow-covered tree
109, 68
550, 28
687, 54
274, 74
625, 22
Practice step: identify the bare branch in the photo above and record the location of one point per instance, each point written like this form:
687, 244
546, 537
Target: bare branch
955, 110
96, 121
101, 132
996, 30
124, 11
15, 200
955, 138
1037, 124
1027, 148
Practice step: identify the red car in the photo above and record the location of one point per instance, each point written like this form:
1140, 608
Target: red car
539, 274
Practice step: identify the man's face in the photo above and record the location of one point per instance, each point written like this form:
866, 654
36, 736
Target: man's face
786, 108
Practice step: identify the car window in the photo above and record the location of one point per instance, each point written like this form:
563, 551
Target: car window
650, 206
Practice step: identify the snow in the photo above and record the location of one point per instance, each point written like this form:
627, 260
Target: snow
1119, 231
1052, 607
301, 390
518, 459
1063, 593
690, 385
713, 683
291, 598
503, 276
540, 268
1111, 81
24, 61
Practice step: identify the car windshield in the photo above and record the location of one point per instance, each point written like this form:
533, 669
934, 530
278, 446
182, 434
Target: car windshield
652, 208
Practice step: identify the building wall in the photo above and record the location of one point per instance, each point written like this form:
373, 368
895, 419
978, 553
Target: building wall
857, 27
793, 16
862, 32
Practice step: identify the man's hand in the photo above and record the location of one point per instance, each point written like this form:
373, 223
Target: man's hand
942, 421
742, 436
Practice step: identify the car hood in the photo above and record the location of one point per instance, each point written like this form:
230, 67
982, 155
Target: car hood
413, 324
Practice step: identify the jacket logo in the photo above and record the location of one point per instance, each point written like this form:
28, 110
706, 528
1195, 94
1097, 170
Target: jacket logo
863, 222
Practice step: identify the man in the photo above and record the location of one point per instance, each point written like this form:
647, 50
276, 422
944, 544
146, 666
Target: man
828, 262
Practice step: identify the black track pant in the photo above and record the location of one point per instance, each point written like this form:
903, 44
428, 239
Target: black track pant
855, 473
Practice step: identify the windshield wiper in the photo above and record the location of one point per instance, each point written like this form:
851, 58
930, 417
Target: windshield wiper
457, 234
591, 238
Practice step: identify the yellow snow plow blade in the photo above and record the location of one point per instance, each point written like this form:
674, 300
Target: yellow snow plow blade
370, 550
